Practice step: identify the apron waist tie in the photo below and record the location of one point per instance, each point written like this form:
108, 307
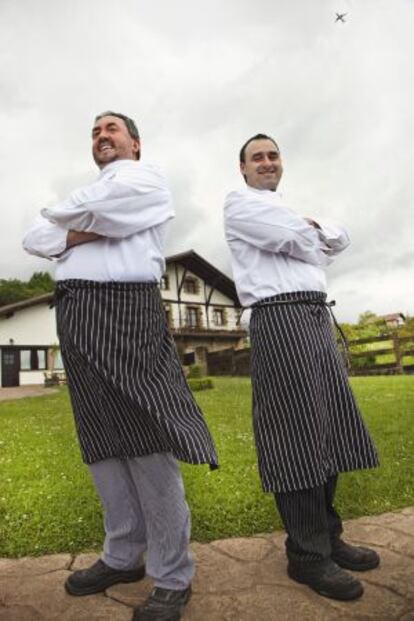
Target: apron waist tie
61, 290
312, 302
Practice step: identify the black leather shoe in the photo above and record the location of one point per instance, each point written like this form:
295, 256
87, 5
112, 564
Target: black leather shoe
99, 577
327, 579
163, 605
354, 558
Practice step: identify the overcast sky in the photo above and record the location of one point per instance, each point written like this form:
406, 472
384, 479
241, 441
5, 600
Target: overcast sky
200, 78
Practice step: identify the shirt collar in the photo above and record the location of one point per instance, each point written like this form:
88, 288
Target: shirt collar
265, 193
116, 165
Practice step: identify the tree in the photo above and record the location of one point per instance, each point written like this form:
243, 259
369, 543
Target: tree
369, 325
13, 290
407, 329
367, 317
41, 281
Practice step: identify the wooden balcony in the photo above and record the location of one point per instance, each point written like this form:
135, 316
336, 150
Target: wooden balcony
217, 333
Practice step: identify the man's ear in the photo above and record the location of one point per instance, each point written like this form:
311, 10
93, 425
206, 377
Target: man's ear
136, 147
242, 168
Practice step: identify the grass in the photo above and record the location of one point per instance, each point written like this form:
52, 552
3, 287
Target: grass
48, 504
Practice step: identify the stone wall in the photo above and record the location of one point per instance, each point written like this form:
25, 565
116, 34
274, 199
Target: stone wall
229, 362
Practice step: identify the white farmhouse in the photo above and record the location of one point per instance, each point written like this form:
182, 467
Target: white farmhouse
200, 302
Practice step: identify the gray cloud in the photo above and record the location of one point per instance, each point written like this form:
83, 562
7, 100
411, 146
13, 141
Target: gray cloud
200, 78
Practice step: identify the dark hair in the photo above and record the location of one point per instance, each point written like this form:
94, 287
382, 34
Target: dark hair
130, 125
242, 155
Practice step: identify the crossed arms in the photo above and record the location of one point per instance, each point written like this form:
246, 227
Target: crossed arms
259, 220
132, 199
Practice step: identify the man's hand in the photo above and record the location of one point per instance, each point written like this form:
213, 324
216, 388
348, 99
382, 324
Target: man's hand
74, 238
326, 249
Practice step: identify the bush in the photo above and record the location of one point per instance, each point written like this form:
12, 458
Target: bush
364, 361
200, 384
195, 371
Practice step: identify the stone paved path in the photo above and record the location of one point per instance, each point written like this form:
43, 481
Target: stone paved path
20, 392
237, 580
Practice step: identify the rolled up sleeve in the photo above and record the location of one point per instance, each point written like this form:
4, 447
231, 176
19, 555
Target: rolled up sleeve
334, 236
275, 229
45, 239
116, 207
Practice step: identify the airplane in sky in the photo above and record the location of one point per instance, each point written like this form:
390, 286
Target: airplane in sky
340, 17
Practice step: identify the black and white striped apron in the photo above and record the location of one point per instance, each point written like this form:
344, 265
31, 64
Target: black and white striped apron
306, 422
128, 391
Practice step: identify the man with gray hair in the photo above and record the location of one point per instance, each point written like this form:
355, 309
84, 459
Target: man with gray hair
134, 412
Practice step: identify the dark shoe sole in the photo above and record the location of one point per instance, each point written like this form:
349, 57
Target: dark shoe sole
176, 616
104, 584
350, 595
356, 566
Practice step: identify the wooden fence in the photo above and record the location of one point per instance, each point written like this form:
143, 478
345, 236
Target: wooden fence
366, 357
366, 354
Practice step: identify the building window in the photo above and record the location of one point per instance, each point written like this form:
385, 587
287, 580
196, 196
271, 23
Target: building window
8, 358
219, 318
192, 317
190, 285
58, 364
32, 359
41, 358
165, 283
168, 315
189, 358
25, 362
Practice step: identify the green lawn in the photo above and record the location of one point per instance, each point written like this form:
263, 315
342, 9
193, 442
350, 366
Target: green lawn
47, 502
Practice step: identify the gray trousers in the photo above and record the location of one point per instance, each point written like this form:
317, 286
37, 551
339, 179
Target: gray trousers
146, 512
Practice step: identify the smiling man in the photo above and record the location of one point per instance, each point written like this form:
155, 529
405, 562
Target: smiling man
306, 423
134, 412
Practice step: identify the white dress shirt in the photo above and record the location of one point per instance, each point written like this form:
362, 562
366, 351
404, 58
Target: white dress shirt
130, 205
273, 249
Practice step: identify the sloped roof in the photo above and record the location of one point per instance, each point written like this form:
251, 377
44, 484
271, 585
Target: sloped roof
393, 317
388, 318
9, 309
189, 260
205, 270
